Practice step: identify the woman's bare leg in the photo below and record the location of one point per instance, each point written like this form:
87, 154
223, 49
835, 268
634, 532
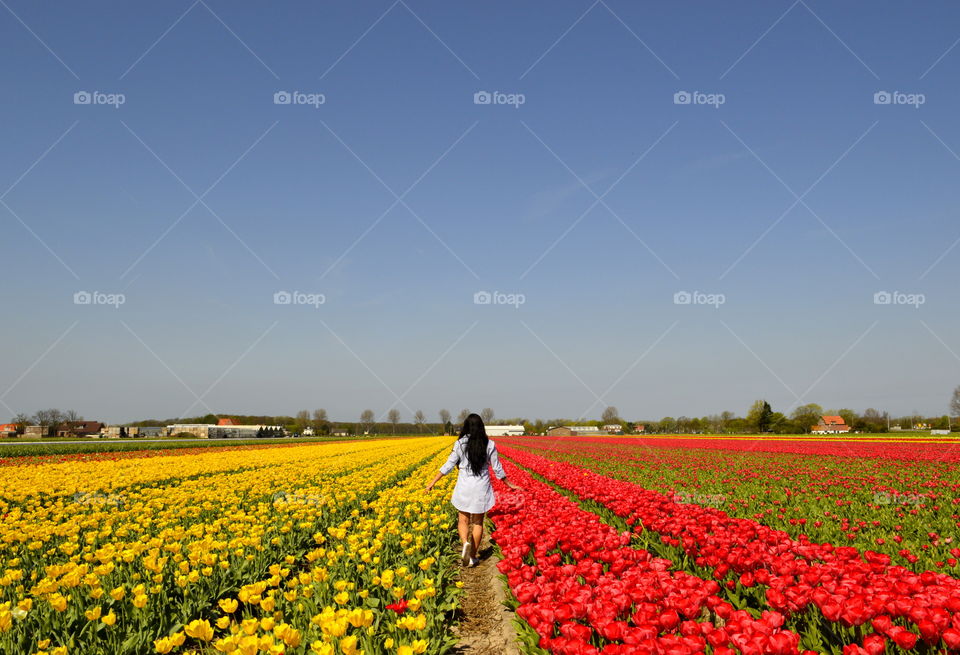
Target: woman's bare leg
477, 524
463, 526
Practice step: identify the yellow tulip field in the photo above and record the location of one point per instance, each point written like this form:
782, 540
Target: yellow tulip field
320, 549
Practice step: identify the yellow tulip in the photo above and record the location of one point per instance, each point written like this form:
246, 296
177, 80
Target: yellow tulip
199, 629
58, 602
228, 605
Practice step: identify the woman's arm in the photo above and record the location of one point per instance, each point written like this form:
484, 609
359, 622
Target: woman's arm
498, 468
435, 479
448, 466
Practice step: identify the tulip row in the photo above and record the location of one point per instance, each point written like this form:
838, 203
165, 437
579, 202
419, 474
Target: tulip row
905, 509
109, 557
834, 591
585, 591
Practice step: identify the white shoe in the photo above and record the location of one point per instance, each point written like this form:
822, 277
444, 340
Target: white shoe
465, 554
474, 562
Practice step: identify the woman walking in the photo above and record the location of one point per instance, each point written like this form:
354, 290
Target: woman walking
473, 494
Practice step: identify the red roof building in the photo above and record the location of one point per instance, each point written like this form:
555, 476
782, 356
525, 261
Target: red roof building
830, 425
226, 421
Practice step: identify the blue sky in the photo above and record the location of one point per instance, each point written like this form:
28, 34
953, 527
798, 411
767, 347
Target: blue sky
598, 199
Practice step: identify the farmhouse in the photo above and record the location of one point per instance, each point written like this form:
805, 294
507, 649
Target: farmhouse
8, 430
613, 428
504, 430
80, 429
36, 431
830, 425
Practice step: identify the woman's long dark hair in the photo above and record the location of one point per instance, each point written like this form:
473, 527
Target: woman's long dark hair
476, 443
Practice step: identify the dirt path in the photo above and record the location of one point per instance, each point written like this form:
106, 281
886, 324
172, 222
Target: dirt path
486, 625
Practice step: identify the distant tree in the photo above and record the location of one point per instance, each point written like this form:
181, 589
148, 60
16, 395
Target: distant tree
610, 415
21, 420
725, 418
462, 416
302, 421
758, 418
849, 416
51, 418
444, 416
806, 416
420, 419
873, 421
667, 424
366, 419
955, 402
448, 428
71, 416
779, 423
486, 414
394, 417
321, 421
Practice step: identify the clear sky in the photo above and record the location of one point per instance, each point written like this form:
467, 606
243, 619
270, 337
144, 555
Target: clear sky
146, 152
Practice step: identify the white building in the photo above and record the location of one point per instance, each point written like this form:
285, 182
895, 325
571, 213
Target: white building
585, 429
504, 430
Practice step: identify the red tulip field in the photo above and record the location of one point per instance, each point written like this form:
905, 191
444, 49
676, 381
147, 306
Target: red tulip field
673, 546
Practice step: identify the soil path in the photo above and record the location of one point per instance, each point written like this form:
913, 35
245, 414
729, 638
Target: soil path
486, 625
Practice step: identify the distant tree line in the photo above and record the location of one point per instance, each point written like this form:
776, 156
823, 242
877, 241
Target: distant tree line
760, 418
